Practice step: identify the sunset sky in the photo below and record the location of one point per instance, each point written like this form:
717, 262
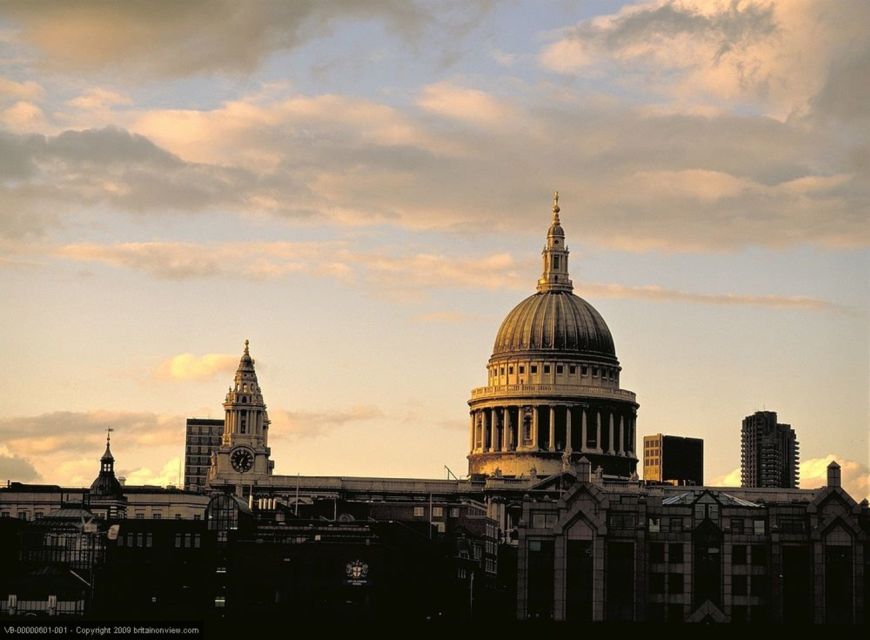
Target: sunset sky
362, 189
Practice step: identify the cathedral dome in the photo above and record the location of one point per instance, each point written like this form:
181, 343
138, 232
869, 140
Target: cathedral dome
554, 321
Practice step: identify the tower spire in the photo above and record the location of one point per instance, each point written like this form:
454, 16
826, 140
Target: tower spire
555, 276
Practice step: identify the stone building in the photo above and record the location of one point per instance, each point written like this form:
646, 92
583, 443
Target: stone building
202, 437
673, 459
769, 452
106, 498
552, 384
605, 551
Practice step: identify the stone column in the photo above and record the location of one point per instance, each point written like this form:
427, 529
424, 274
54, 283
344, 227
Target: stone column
622, 435
493, 427
535, 427
506, 429
598, 432
568, 427
583, 434
473, 427
552, 441
484, 439
610, 447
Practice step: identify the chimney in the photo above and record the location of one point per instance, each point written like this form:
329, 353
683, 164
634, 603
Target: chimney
833, 474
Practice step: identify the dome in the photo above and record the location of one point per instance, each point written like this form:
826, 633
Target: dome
554, 321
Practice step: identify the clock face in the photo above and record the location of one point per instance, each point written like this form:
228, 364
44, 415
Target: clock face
242, 460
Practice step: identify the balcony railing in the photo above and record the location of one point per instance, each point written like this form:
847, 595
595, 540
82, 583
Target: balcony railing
571, 390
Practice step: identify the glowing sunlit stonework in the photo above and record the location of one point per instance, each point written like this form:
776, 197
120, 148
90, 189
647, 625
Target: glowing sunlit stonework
552, 393
243, 457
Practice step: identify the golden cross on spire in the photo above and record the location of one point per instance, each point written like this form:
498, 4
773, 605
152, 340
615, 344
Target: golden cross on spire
246, 348
108, 434
556, 206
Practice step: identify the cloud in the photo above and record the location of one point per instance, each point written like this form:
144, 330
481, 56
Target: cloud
400, 274
76, 433
641, 179
169, 474
23, 116
27, 90
171, 39
187, 366
777, 54
464, 104
855, 476
309, 424
671, 295
13, 467
99, 99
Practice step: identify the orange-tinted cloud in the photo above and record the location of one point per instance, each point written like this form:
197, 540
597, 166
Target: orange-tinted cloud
187, 366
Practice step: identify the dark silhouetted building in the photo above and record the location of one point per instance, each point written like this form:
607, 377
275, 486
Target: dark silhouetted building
769, 453
673, 459
202, 437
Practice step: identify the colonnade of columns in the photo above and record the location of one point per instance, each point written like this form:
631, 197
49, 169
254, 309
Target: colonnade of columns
517, 428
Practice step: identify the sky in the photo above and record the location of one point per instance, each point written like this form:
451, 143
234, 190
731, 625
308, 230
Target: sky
363, 190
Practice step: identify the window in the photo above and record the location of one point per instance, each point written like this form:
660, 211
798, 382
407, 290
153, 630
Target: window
594, 371
156, 515
454, 512
534, 368
559, 368
511, 370
676, 524
572, 369
656, 583
675, 583
758, 526
654, 525
759, 555
501, 371
177, 541
738, 554
140, 516
758, 586
38, 515
196, 540
738, 585
522, 369
22, 515
657, 552
556, 260
584, 370
4, 514
418, 512
619, 520
675, 553
148, 539
178, 516
543, 520
736, 525
546, 368
197, 517
791, 524
437, 512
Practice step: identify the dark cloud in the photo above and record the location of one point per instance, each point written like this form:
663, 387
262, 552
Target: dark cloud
15, 468
85, 432
161, 38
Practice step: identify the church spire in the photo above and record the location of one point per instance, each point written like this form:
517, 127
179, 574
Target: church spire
555, 276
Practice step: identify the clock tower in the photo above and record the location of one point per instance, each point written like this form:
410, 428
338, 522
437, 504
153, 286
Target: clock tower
242, 460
